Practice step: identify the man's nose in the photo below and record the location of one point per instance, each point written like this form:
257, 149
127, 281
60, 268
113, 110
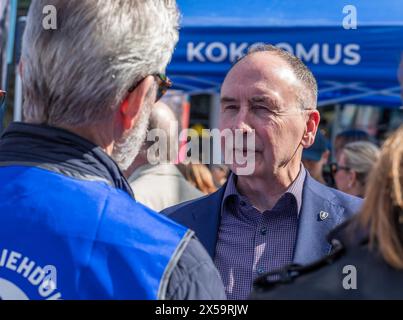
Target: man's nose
242, 122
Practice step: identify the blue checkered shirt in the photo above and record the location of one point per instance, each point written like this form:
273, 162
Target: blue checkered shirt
251, 242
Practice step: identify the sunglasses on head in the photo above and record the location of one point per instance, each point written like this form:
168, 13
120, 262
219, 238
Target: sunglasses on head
164, 83
334, 167
2, 97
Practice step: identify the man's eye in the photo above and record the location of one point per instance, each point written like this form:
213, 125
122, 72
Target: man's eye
230, 107
262, 108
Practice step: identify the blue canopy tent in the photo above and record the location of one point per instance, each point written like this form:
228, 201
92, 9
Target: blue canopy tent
351, 65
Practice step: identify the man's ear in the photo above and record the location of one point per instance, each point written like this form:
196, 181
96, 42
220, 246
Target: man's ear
130, 108
311, 127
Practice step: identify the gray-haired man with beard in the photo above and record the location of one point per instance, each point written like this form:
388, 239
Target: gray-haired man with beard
89, 87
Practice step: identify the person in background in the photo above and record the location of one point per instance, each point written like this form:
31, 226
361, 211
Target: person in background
348, 136
220, 174
199, 176
160, 185
353, 165
370, 245
316, 157
89, 88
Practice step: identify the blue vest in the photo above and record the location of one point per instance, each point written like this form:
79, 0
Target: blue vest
64, 238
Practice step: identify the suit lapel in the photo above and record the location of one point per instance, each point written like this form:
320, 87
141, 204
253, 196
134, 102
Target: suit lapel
318, 216
206, 216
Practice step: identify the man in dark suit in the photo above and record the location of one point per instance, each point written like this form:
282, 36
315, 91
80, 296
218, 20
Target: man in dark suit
278, 214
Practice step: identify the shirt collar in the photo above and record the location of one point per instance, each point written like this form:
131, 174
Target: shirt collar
295, 189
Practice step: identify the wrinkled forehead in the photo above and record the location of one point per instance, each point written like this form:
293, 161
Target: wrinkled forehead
264, 74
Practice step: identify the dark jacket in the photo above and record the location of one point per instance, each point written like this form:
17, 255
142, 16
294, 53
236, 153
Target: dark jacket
352, 271
73, 196
323, 208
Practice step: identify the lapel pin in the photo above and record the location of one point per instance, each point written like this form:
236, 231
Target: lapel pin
323, 215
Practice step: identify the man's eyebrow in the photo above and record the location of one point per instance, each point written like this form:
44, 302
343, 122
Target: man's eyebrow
266, 99
227, 99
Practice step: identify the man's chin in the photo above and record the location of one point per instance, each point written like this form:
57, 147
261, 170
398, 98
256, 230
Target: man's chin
244, 169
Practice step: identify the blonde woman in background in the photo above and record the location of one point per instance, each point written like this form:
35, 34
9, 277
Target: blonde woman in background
199, 176
354, 163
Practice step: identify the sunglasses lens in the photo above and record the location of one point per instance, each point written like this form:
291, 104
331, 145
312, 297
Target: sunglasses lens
163, 85
160, 93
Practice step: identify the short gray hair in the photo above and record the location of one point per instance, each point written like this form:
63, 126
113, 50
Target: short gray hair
80, 73
300, 70
360, 156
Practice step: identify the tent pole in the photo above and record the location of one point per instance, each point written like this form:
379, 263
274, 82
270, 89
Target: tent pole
18, 97
185, 118
214, 124
335, 128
